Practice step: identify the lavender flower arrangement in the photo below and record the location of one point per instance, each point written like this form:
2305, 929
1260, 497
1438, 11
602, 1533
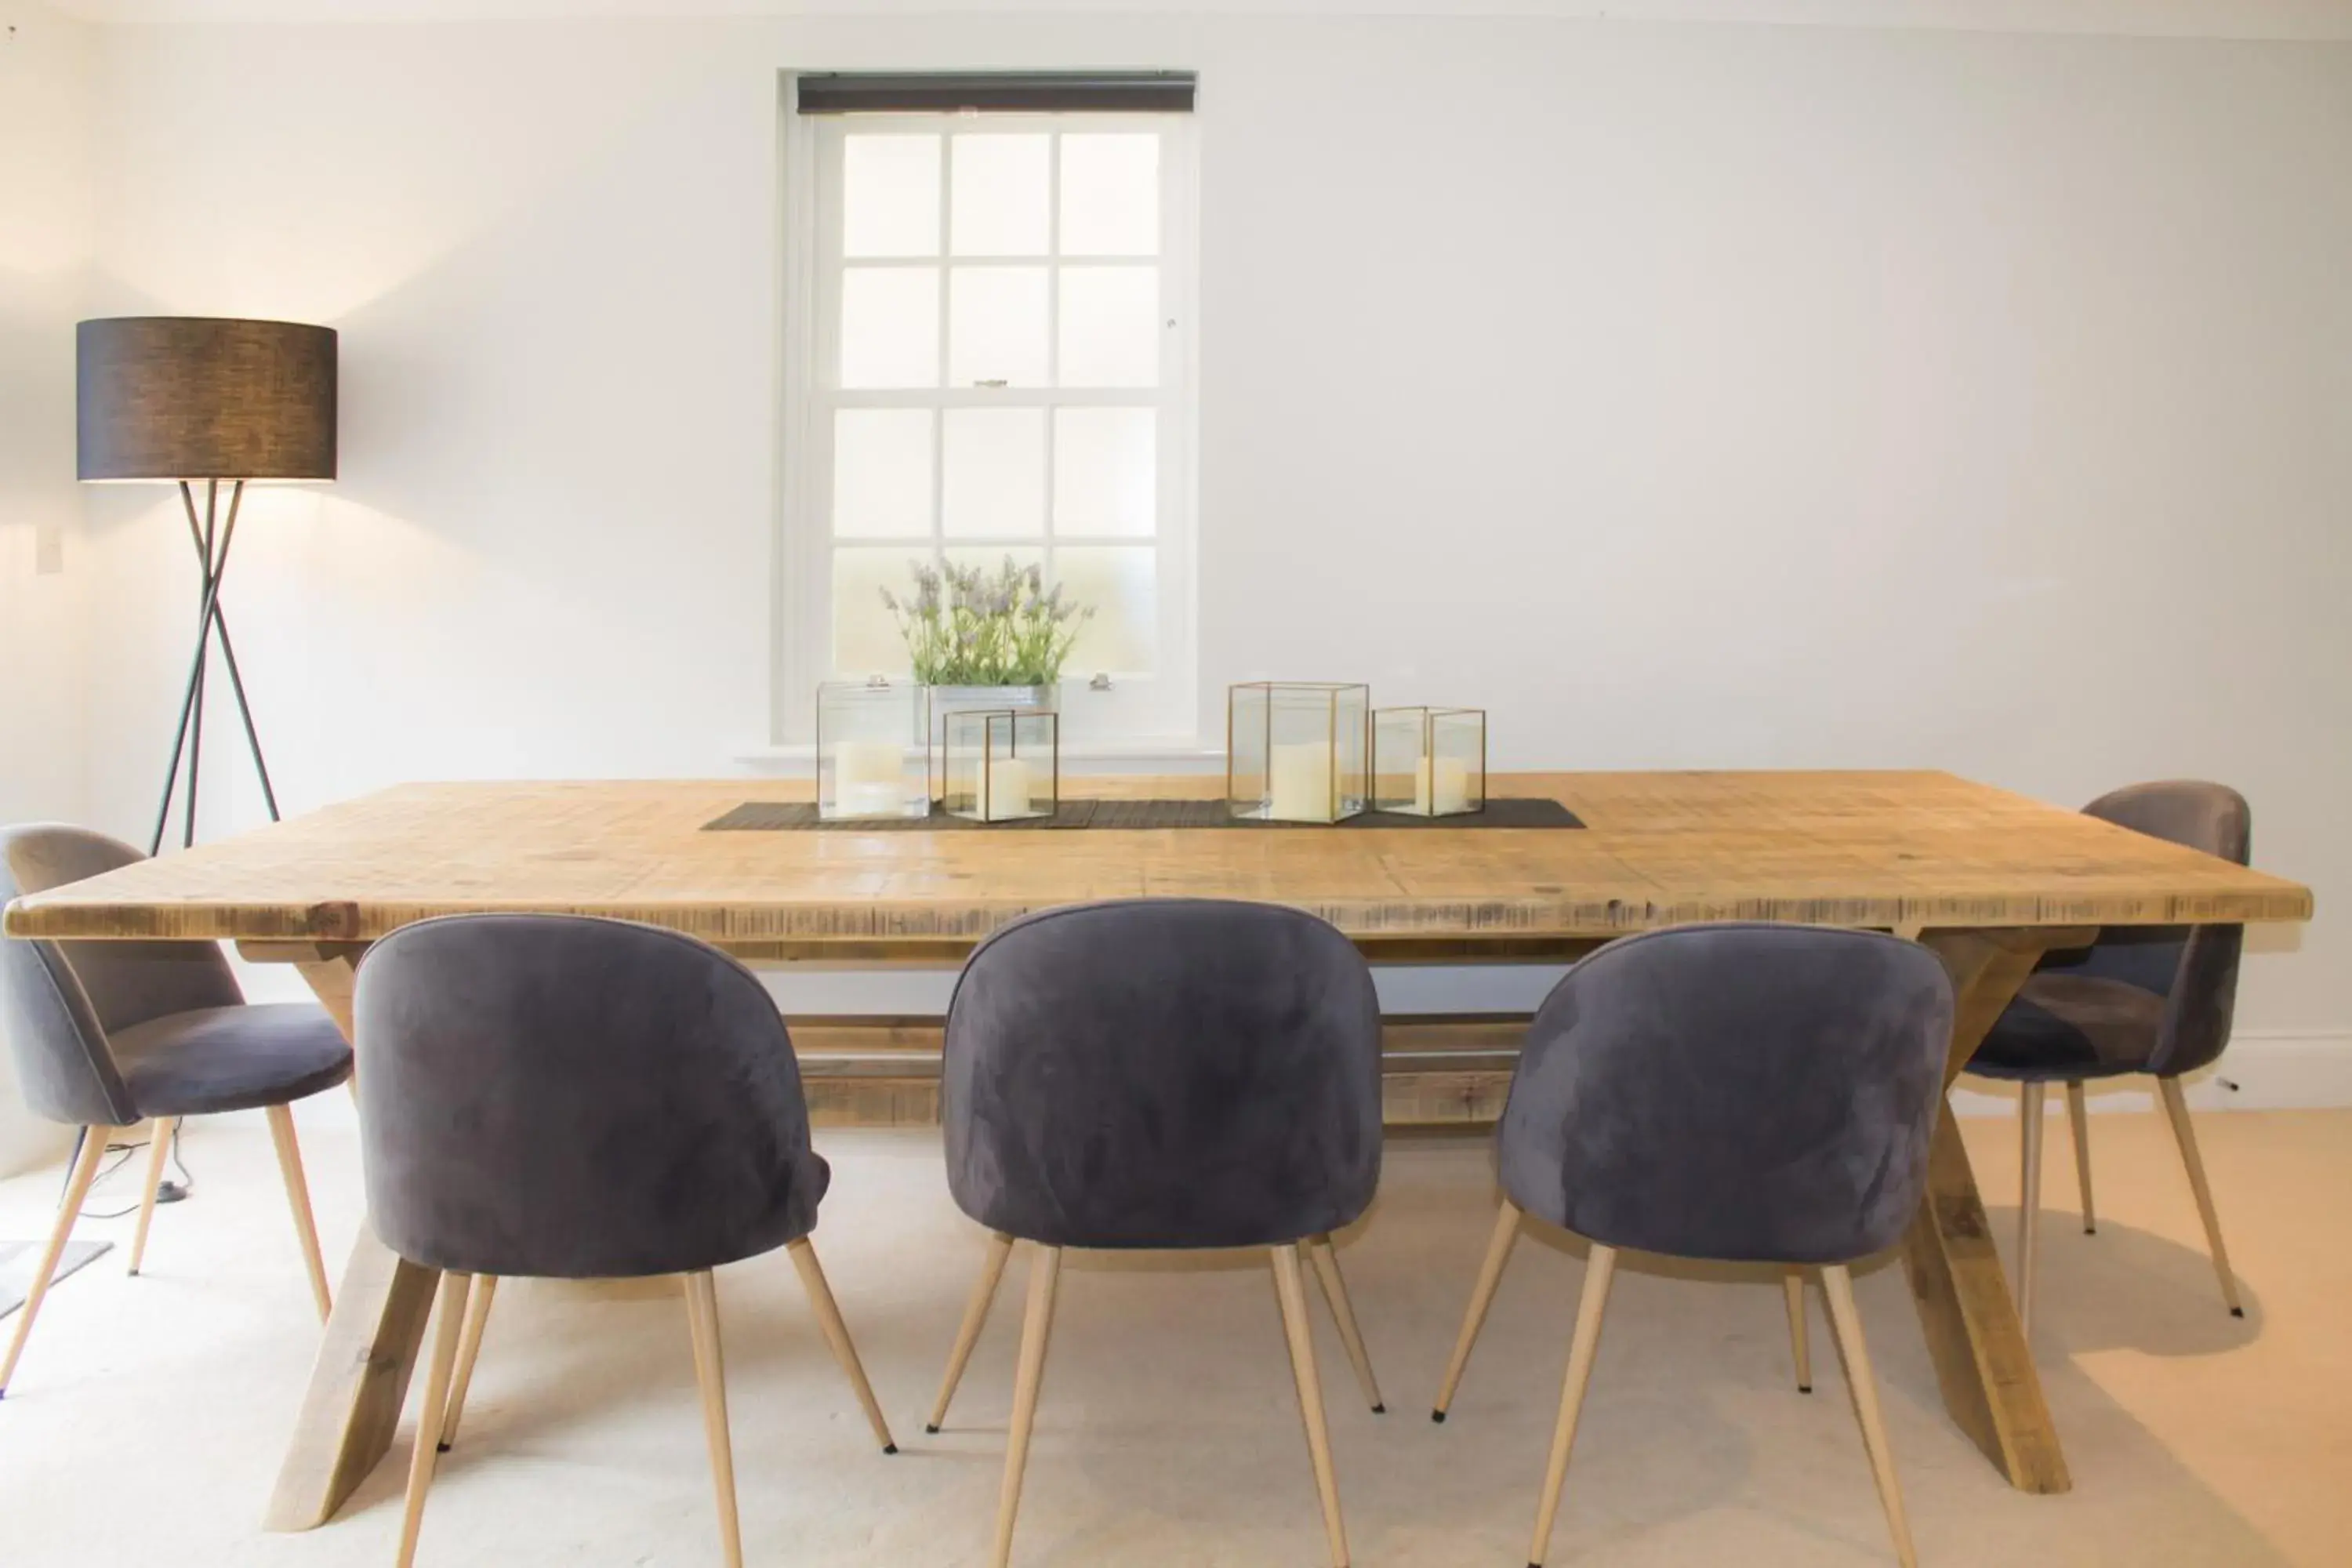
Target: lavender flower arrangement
965, 627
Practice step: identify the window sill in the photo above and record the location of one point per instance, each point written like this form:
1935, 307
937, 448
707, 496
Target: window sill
1088, 757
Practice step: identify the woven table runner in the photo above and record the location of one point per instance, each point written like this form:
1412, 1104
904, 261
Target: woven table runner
800, 816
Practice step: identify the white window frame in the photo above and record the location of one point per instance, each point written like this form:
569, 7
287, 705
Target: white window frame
1158, 709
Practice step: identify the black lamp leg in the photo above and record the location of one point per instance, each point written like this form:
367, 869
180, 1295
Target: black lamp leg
188, 740
204, 602
228, 656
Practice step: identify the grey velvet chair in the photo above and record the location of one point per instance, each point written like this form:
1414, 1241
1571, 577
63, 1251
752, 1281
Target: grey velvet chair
2141, 999
1738, 1092
557, 1097
108, 1035
1169, 1073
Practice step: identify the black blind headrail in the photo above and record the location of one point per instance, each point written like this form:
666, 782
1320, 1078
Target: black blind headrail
1031, 92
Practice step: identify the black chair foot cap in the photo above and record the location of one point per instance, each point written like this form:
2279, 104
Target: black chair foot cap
134, 1273
889, 1447
2089, 1230
440, 1447
1438, 1417
931, 1429
1804, 1388
1380, 1410
2237, 1311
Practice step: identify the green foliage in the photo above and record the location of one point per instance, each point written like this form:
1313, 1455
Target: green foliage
965, 627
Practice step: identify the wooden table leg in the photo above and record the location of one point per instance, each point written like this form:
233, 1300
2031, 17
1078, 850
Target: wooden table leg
357, 1388
373, 1337
1966, 1310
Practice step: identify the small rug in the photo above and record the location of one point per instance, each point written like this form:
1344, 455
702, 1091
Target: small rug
18, 1259
800, 816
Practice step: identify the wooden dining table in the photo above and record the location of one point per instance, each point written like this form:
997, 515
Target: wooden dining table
1988, 880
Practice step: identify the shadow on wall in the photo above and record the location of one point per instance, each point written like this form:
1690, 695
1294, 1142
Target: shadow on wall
548, 550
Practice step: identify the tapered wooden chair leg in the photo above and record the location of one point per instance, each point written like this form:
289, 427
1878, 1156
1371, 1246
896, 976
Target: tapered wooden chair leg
836, 1334
451, 1308
1482, 1296
1598, 1270
297, 1197
1837, 1285
85, 1170
1793, 1286
975, 1318
159, 1155
2029, 1201
2175, 1106
1290, 1289
1343, 1312
710, 1376
469, 1349
2078, 1117
1036, 1327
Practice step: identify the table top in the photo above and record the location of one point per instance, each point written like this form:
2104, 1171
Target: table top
1892, 849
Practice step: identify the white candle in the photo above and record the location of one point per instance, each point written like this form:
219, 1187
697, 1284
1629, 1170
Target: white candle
1301, 781
869, 778
1452, 793
1008, 789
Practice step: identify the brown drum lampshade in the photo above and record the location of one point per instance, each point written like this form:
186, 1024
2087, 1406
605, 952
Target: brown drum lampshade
204, 397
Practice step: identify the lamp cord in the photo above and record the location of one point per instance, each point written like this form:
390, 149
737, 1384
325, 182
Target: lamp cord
187, 1183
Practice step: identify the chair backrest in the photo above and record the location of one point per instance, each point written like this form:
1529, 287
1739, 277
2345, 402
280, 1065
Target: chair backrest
59, 1001
1164, 1072
556, 1095
1741, 1091
2195, 968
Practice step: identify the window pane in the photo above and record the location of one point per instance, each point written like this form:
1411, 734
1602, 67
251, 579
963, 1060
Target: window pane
890, 326
881, 472
995, 473
890, 195
1106, 471
1111, 194
999, 199
1110, 326
1123, 583
996, 326
866, 640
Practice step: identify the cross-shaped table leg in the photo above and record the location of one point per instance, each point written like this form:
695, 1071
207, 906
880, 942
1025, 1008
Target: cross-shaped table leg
1966, 1310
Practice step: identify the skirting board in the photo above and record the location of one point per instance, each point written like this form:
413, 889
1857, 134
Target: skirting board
2264, 1070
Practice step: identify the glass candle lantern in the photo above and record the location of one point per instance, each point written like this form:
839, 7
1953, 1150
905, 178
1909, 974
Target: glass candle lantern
873, 749
1298, 751
1429, 762
1002, 765
947, 700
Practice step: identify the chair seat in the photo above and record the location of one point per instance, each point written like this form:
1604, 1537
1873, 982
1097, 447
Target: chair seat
2072, 1026
231, 1058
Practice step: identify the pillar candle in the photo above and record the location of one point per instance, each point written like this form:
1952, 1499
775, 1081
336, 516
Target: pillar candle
1301, 783
1008, 789
869, 778
1452, 793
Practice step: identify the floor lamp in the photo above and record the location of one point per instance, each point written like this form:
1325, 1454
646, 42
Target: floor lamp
202, 399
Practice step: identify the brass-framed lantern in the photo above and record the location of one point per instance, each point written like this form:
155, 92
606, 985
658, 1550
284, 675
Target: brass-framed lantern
1429, 762
1298, 751
1002, 764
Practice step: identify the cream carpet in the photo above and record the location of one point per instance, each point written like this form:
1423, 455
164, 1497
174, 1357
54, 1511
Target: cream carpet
147, 1419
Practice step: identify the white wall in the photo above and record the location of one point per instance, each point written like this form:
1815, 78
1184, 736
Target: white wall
45, 63
1688, 394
